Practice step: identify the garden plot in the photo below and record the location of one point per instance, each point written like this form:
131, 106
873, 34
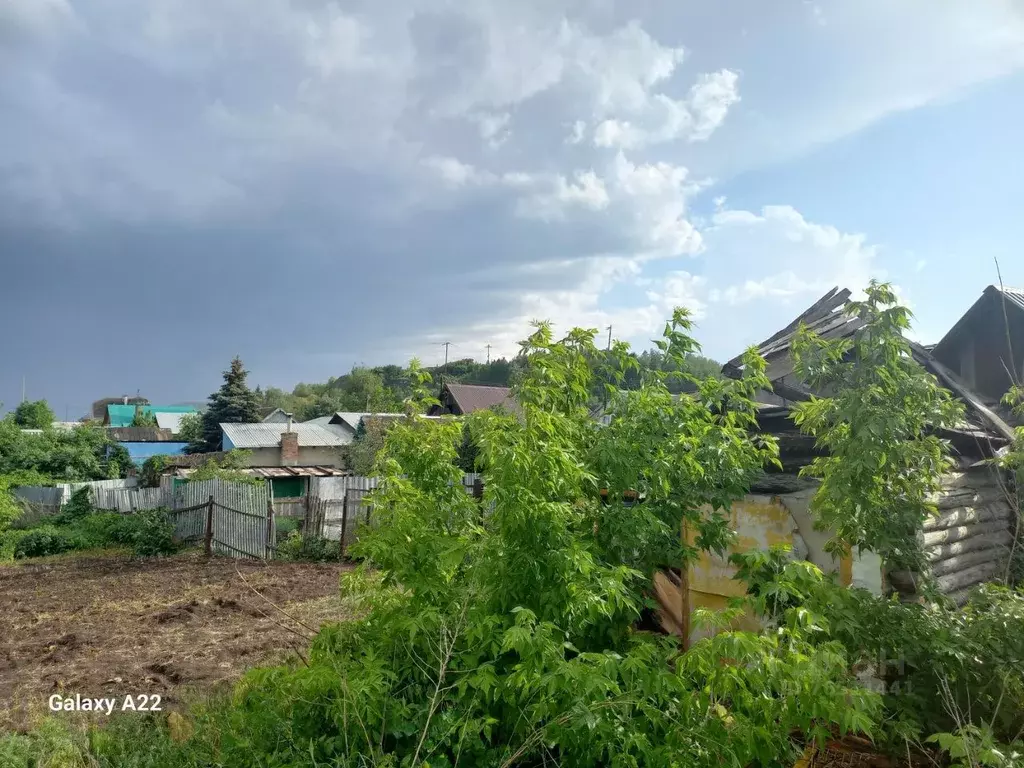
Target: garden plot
111, 626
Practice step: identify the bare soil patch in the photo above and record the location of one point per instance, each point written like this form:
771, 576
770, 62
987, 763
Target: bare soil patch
111, 626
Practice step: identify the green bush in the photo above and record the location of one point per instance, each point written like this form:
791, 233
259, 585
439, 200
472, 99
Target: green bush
9, 543
314, 549
286, 525
43, 541
147, 534
151, 534
77, 507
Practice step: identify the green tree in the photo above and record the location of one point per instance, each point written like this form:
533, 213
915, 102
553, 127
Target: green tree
883, 459
143, 418
33, 414
190, 428
83, 453
366, 445
501, 634
233, 403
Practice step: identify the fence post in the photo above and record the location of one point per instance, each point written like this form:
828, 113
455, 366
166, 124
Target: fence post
344, 524
208, 541
271, 532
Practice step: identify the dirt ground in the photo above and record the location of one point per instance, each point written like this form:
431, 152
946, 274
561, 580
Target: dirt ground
111, 626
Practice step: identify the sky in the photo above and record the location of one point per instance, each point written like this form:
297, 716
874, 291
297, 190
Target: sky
313, 185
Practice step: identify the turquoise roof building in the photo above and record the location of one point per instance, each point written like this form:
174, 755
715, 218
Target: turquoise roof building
124, 415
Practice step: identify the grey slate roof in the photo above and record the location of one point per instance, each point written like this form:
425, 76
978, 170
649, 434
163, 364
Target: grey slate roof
268, 435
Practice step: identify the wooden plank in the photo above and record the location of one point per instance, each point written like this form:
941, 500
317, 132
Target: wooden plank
950, 380
962, 562
959, 533
824, 305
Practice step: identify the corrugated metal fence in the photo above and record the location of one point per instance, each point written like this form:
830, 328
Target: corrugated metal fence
40, 501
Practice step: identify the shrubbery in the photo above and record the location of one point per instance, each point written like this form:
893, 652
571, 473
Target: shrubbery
79, 527
44, 540
510, 639
315, 549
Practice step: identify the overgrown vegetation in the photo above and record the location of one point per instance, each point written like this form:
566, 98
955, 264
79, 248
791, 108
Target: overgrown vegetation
70, 455
883, 460
79, 526
308, 548
503, 633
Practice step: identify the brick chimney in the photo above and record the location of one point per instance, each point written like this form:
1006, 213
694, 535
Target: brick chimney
289, 446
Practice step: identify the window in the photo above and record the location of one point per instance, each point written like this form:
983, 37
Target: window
287, 487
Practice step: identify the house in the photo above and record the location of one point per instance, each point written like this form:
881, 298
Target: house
286, 445
461, 399
986, 344
145, 442
98, 410
967, 543
346, 423
122, 414
170, 421
288, 485
276, 416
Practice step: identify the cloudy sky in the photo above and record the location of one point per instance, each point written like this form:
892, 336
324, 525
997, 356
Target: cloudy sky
315, 184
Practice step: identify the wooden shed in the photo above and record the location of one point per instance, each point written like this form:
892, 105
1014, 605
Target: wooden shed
967, 543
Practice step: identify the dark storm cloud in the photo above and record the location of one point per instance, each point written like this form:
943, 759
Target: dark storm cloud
310, 184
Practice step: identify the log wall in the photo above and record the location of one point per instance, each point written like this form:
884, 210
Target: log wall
969, 541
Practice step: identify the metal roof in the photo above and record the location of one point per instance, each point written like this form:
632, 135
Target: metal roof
268, 435
171, 421
275, 416
477, 397
123, 415
1015, 295
281, 472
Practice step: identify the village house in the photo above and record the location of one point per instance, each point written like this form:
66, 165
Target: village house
967, 543
462, 399
123, 414
985, 348
276, 416
285, 445
346, 423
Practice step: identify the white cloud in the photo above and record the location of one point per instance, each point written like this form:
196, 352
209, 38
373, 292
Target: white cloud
494, 128
579, 129
663, 119
454, 172
710, 100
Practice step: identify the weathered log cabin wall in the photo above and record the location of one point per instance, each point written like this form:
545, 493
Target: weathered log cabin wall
970, 540
967, 543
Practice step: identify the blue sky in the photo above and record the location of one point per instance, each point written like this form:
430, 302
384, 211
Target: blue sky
315, 184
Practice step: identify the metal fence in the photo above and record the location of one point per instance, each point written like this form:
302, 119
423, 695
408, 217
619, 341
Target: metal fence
48, 500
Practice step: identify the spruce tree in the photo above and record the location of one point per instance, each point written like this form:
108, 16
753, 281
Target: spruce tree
233, 403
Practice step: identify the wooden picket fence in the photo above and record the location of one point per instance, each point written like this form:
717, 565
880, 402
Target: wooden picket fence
341, 518
234, 519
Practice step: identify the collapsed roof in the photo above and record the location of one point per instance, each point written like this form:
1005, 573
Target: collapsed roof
982, 434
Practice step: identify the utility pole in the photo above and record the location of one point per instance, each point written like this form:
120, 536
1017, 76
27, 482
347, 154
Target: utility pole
445, 369
609, 337
23, 389
488, 354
